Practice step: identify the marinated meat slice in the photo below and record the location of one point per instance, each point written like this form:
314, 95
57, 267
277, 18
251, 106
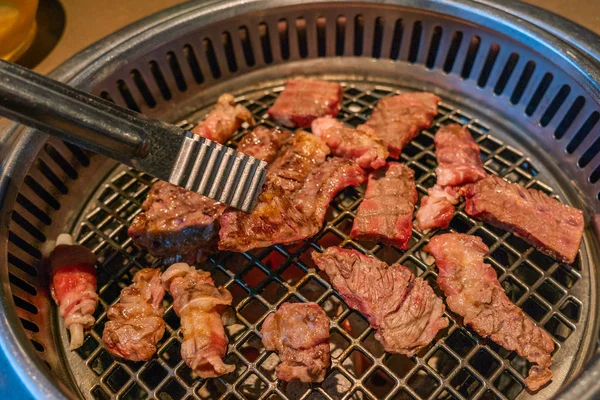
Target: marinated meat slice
437, 209
458, 157
459, 163
300, 333
550, 226
263, 143
398, 119
403, 309
287, 217
473, 291
199, 305
176, 224
304, 100
179, 225
361, 145
136, 322
73, 286
386, 211
223, 120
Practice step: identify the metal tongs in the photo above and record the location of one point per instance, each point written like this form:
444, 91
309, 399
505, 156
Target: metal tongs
157, 148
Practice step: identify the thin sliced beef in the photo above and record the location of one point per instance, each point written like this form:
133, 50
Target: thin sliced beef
473, 291
437, 209
199, 304
459, 163
300, 333
403, 309
304, 100
386, 211
223, 120
176, 225
398, 119
263, 143
361, 145
550, 226
289, 216
179, 225
136, 321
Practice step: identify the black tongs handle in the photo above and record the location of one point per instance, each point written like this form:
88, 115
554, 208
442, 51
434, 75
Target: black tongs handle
75, 116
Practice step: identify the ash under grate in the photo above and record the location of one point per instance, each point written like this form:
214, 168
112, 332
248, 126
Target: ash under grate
457, 365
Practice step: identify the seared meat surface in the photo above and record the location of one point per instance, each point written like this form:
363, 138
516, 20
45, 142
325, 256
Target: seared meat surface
263, 143
223, 120
403, 309
73, 286
361, 144
473, 291
136, 321
304, 100
459, 163
198, 303
386, 211
179, 225
300, 333
399, 119
550, 226
299, 187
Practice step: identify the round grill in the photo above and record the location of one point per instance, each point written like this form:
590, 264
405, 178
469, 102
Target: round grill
534, 117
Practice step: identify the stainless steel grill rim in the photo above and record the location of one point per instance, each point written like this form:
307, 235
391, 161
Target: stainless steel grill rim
104, 71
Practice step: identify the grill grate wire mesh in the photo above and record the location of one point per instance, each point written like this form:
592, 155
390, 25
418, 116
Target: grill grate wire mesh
457, 365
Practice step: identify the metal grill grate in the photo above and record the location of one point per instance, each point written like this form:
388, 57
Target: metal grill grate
458, 364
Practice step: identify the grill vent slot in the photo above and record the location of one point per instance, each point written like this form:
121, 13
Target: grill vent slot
359, 29
589, 154
340, 35
33, 209
142, 87
489, 65
321, 37
470, 58
21, 284
30, 326
415, 42
284, 39
263, 32
25, 305
523, 82
453, 51
211, 57
511, 63
24, 245
176, 71
22, 265
555, 105
79, 154
595, 175
539, 94
246, 46
434, 47
51, 176
582, 133
190, 56
302, 40
378, 37
397, 40
42, 193
159, 78
127, 96
32, 230
229, 51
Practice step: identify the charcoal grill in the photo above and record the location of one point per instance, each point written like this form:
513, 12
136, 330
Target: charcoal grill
523, 81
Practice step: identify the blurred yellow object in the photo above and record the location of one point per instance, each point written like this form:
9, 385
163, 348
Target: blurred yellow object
17, 27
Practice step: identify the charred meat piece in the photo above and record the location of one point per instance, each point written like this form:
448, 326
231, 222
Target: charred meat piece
176, 224
361, 145
199, 304
550, 226
179, 225
73, 286
403, 309
459, 163
437, 209
473, 291
386, 211
289, 216
223, 120
300, 333
304, 100
136, 322
458, 157
263, 143
398, 119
